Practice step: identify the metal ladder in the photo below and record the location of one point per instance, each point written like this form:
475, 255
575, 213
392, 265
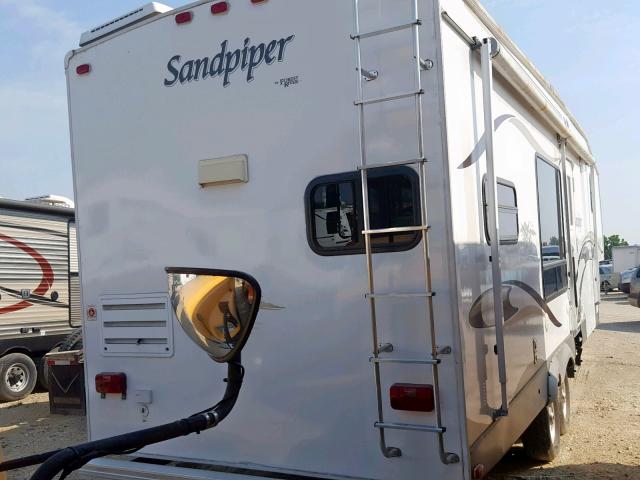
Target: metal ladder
433, 360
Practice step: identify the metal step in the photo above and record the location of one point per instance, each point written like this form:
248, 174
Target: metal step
400, 295
413, 161
382, 31
417, 228
397, 96
410, 426
411, 361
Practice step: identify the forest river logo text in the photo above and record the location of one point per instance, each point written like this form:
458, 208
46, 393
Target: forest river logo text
227, 61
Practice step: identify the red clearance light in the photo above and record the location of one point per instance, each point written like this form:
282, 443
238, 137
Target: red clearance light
83, 69
111, 383
183, 17
220, 7
412, 397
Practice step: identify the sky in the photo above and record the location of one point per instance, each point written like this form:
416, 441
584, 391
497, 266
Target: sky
586, 48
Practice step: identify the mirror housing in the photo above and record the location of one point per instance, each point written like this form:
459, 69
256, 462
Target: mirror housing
215, 308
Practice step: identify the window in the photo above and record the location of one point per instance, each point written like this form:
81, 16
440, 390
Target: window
334, 211
507, 211
334, 215
552, 250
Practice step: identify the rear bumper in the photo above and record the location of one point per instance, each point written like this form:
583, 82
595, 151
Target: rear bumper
119, 469
124, 468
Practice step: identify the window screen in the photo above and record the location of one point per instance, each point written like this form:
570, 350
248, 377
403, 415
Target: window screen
335, 218
507, 212
552, 251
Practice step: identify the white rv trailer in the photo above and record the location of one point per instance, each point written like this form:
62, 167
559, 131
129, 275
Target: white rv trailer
221, 134
39, 289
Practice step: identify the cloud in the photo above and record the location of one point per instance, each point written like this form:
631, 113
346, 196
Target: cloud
33, 126
50, 32
41, 17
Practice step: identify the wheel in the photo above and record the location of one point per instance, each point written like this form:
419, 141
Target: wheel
541, 440
43, 379
564, 405
73, 341
18, 376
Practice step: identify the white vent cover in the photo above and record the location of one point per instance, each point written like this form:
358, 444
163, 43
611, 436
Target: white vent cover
134, 16
136, 325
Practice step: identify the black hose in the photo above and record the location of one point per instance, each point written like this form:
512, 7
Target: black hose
26, 461
72, 458
79, 454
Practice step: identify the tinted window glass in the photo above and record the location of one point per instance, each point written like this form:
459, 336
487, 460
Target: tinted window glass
507, 212
334, 214
335, 218
506, 195
391, 204
549, 211
552, 251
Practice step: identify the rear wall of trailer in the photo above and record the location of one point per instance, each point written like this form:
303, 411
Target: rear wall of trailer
308, 403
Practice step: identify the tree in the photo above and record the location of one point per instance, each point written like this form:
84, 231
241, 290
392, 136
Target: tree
613, 241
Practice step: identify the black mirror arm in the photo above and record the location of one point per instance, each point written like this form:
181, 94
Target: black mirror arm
72, 458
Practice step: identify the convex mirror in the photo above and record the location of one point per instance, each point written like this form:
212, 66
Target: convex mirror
215, 308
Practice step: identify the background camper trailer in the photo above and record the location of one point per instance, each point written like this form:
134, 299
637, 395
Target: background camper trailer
39, 288
419, 207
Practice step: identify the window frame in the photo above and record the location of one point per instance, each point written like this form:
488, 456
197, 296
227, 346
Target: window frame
355, 177
561, 263
485, 204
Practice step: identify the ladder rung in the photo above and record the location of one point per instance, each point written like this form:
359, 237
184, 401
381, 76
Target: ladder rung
416, 228
392, 164
410, 426
382, 31
411, 361
400, 295
398, 96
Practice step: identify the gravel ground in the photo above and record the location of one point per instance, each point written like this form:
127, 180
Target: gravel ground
603, 443
27, 427
604, 439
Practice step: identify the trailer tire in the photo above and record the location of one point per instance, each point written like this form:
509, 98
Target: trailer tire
541, 440
18, 375
72, 342
43, 379
564, 405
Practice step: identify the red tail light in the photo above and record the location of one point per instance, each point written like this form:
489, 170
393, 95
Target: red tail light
107, 383
412, 397
83, 69
183, 17
220, 7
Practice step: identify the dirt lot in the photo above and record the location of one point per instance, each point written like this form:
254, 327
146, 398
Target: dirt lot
604, 441
26, 427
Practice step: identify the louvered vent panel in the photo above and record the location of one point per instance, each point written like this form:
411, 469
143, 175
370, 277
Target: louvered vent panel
136, 326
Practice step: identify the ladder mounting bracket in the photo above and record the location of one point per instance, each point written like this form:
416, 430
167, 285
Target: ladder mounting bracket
444, 350
392, 452
369, 75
